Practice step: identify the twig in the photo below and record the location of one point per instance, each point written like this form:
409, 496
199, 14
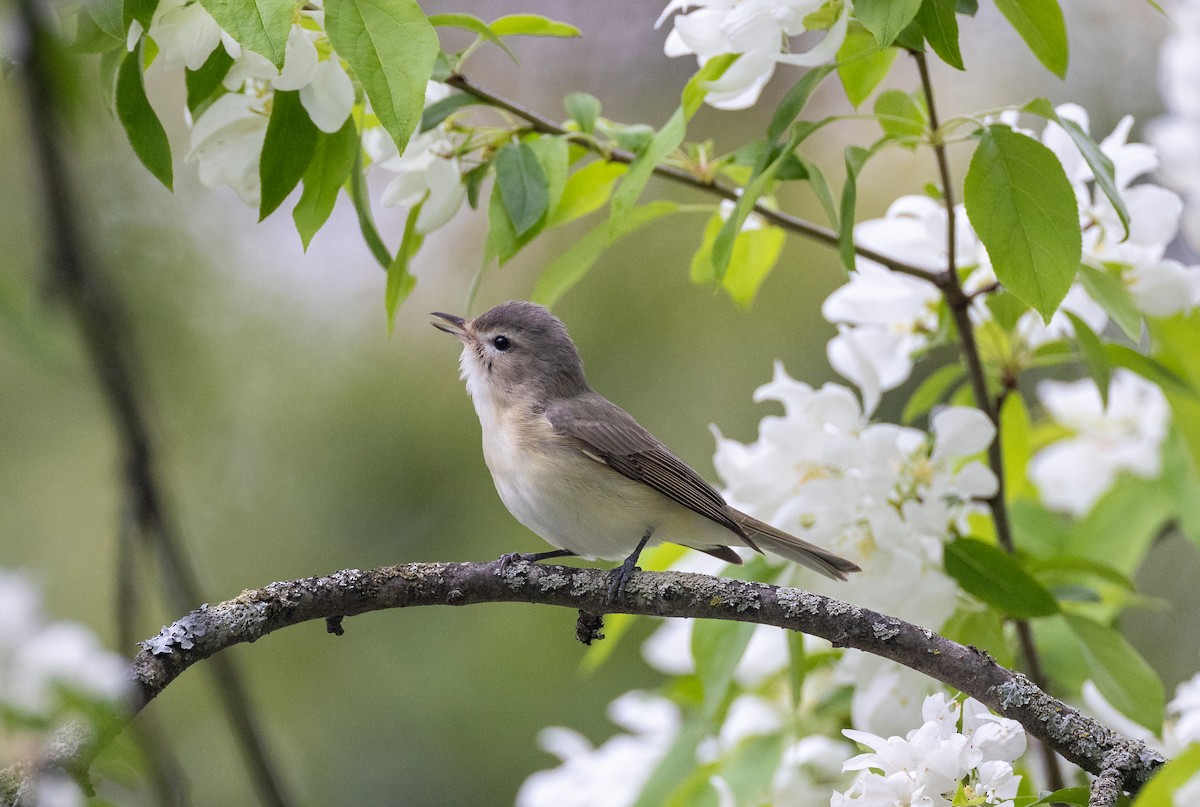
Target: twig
101, 320
254, 614
540, 123
960, 305
1106, 788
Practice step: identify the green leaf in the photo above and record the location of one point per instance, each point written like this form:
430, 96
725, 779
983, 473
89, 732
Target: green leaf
717, 646
570, 267
554, 156
142, 126
820, 187
109, 17
794, 101
585, 192
886, 18
532, 25
755, 253
333, 160
665, 140
1024, 209
723, 245
1091, 351
473, 24
1097, 160
1173, 340
362, 208
856, 158
1015, 429
980, 627
142, 11
1107, 289
1148, 368
1123, 524
940, 28
1120, 673
260, 25
391, 48
1040, 24
438, 111
400, 281
993, 576
932, 390
1068, 795
583, 109
287, 150
862, 64
1160, 790
900, 116
205, 83
522, 184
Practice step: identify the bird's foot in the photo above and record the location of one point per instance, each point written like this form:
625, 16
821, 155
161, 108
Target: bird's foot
620, 579
530, 557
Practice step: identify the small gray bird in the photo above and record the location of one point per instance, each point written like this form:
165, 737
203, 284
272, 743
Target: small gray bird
577, 469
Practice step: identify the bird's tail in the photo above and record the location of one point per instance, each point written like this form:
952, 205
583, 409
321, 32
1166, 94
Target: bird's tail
793, 548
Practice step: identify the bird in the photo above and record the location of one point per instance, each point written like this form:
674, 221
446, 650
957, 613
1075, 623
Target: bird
580, 471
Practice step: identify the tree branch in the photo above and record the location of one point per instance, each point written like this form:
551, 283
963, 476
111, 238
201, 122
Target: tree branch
540, 123
253, 614
960, 305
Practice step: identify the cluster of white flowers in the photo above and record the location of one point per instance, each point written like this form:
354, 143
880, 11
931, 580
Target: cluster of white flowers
885, 496
45, 667
429, 171
1126, 435
1176, 135
613, 774
885, 319
957, 747
227, 135
757, 30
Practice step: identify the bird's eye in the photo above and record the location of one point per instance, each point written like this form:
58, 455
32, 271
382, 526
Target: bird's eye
501, 343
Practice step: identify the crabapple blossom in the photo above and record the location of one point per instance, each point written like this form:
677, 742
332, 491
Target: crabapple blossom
956, 747
428, 171
613, 773
755, 29
1073, 473
227, 140
885, 318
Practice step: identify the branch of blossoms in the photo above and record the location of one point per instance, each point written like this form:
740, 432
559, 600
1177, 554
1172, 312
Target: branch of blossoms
959, 304
540, 123
98, 313
254, 614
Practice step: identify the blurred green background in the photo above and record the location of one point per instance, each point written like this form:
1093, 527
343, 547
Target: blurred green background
296, 438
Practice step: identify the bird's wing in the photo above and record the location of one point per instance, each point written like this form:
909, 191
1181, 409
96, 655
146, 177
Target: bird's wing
608, 434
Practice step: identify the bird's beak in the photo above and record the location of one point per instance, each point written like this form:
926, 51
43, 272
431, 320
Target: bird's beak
454, 325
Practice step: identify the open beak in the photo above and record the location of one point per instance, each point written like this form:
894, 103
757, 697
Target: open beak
455, 326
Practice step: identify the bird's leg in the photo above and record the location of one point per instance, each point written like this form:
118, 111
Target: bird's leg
622, 573
532, 557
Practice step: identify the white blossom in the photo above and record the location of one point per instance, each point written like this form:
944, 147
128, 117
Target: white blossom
227, 141
955, 747
1126, 435
609, 775
755, 29
186, 34
885, 318
428, 171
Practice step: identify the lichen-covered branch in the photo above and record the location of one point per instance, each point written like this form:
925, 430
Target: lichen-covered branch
212, 628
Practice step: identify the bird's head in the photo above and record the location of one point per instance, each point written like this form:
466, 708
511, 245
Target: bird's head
516, 348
